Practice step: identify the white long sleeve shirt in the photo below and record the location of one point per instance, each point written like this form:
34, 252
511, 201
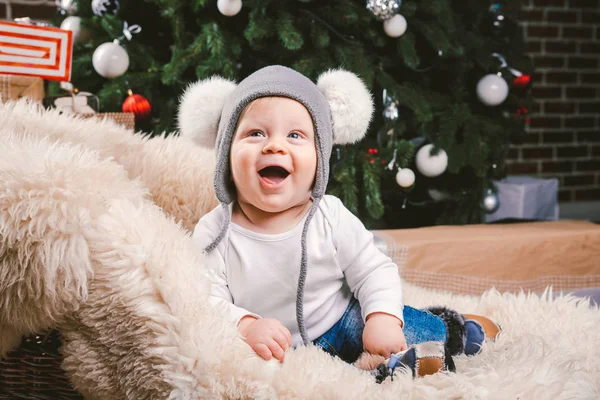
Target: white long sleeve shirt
257, 274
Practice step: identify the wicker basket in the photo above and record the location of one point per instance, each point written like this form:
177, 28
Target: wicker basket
33, 371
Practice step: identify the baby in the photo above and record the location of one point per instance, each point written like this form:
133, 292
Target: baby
290, 264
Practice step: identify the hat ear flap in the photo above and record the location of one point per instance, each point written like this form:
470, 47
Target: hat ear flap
350, 103
200, 109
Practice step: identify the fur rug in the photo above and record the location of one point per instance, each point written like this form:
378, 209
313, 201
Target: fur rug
153, 162
88, 244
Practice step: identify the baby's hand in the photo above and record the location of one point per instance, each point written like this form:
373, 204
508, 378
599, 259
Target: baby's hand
383, 335
267, 336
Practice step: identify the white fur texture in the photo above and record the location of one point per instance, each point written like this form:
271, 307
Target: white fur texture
143, 327
177, 175
49, 199
200, 109
350, 103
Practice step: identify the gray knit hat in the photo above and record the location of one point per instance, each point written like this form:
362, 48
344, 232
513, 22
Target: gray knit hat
340, 106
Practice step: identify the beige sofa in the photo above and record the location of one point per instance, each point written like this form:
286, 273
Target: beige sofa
511, 257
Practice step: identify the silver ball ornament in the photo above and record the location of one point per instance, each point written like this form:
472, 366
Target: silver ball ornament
390, 112
490, 202
101, 7
384, 9
67, 7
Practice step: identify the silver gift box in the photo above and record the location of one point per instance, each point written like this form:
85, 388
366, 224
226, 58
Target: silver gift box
523, 197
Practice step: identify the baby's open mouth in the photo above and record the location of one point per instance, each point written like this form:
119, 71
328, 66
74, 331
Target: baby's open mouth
274, 174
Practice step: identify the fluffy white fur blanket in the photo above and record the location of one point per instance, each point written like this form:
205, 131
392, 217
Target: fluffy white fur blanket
94, 240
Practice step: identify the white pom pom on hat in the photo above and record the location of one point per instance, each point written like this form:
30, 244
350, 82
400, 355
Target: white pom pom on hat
200, 109
350, 102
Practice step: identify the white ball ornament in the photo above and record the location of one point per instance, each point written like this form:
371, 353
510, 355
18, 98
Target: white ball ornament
395, 26
492, 90
431, 165
73, 24
110, 60
405, 177
229, 8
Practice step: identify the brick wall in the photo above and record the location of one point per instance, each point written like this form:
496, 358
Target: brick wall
563, 141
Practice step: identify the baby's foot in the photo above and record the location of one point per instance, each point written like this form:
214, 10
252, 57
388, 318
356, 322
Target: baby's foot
421, 359
465, 332
478, 328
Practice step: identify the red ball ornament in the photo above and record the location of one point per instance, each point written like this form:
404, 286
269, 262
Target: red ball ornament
522, 81
138, 105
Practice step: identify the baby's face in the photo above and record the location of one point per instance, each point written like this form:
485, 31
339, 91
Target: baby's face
273, 154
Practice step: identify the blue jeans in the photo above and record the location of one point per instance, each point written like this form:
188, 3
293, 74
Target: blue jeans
344, 339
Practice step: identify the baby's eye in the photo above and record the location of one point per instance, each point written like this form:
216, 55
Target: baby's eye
256, 134
294, 135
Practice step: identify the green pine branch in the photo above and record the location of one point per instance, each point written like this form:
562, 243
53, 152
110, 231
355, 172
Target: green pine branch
288, 34
372, 170
343, 172
405, 152
405, 46
259, 27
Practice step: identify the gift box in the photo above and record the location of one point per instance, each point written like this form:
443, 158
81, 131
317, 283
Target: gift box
33, 50
125, 119
527, 198
80, 103
14, 87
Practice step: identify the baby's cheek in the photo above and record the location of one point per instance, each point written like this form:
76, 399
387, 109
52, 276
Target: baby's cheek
239, 161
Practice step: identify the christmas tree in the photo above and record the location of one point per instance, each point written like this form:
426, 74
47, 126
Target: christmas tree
450, 80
